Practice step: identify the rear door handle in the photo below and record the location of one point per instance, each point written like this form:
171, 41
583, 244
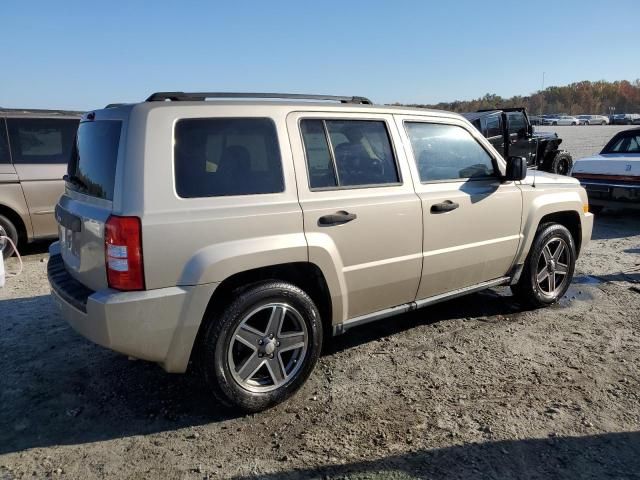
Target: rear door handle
445, 206
337, 218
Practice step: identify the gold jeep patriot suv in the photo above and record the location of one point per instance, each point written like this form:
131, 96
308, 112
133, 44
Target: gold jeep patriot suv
238, 231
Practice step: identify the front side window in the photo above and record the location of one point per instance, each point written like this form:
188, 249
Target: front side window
517, 123
348, 153
494, 126
41, 140
226, 156
4, 144
447, 152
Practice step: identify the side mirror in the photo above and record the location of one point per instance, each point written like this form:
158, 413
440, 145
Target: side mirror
516, 169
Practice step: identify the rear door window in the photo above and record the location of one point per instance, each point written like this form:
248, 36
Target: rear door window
348, 153
4, 144
93, 165
41, 140
226, 156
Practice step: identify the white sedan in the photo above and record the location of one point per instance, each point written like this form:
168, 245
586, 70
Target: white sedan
561, 120
612, 178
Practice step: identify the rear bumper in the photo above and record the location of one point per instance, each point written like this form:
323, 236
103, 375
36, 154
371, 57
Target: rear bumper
605, 193
156, 325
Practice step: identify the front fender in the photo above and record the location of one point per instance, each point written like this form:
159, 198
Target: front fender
539, 202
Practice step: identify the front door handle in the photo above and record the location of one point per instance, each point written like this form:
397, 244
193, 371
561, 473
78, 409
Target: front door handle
337, 218
446, 206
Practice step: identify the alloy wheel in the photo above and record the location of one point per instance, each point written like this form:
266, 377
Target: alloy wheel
552, 272
268, 347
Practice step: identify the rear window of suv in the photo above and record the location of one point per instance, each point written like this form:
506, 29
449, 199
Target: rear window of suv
92, 169
226, 156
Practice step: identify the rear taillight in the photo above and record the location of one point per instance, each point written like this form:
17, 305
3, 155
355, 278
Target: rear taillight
123, 253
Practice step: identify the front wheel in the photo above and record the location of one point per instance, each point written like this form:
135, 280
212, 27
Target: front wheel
549, 267
561, 163
7, 229
262, 347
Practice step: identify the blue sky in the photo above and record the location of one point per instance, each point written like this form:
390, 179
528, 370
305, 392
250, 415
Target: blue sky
83, 55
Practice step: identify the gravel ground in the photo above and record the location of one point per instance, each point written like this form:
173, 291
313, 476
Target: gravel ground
474, 388
584, 140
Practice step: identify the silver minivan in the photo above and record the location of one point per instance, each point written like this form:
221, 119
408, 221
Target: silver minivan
35, 147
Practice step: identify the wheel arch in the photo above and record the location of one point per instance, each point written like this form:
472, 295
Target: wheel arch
16, 219
305, 275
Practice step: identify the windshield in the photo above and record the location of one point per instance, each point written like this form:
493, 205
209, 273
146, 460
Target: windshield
624, 142
92, 168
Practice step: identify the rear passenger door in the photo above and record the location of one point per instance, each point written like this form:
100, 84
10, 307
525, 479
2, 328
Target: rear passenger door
471, 219
361, 213
40, 149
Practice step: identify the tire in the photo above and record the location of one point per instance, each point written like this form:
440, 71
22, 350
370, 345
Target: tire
603, 123
561, 163
573, 124
8, 229
250, 316
533, 293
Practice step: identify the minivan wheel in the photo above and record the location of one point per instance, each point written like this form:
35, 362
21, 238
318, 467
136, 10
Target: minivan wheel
7, 229
262, 347
549, 267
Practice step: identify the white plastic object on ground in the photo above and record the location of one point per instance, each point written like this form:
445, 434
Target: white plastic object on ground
3, 274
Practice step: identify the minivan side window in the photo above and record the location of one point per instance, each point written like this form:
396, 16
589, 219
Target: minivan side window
4, 144
226, 156
348, 153
41, 140
447, 152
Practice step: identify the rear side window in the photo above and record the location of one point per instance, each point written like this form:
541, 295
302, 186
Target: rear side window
41, 140
4, 144
447, 152
348, 153
93, 165
226, 156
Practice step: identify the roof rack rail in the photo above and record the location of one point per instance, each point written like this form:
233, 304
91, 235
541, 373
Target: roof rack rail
201, 96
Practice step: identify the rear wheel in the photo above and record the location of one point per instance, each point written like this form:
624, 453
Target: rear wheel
554, 123
603, 123
262, 347
549, 267
7, 229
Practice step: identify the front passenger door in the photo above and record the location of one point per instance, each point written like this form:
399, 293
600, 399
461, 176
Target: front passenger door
471, 219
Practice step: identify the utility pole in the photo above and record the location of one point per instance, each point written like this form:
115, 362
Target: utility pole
542, 92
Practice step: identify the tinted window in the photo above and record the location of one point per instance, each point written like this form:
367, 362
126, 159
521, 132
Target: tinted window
226, 156
41, 140
93, 164
447, 152
4, 145
494, 126
347, 153
517, 123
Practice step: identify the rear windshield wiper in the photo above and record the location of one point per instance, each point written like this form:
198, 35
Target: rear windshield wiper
76, 181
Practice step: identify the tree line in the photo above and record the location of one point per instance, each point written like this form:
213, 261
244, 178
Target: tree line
585, 97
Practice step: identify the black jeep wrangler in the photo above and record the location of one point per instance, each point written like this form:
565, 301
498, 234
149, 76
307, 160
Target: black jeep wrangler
511, 133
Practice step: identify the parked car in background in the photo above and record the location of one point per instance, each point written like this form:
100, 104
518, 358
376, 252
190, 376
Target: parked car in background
612, 178
511, 133
240, 234
535, 119
561, 120
35, 147
593, 120
625, 119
